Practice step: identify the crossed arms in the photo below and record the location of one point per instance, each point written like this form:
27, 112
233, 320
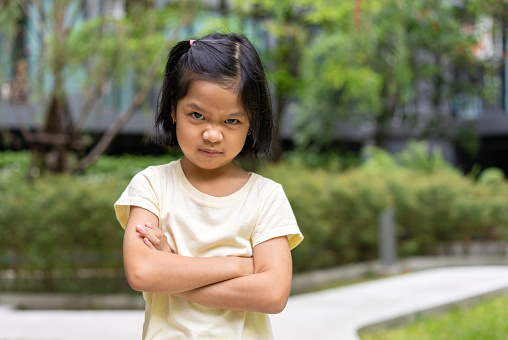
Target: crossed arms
261, 283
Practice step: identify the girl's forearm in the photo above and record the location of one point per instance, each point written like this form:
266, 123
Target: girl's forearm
159, 272
266, 291
249, 293
155, 271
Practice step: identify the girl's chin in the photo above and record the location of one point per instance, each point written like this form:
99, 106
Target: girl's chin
208, 163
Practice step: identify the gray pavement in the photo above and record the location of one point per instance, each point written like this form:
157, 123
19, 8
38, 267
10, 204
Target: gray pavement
332, 314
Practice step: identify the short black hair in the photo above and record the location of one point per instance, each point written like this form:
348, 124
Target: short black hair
229, 60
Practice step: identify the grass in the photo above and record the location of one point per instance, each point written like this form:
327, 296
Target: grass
486, 320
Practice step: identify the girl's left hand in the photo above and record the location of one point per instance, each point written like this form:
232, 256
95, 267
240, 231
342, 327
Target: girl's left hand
153, 237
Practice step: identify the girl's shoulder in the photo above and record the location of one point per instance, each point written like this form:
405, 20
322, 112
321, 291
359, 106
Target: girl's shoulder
162, 169
263, 184
155, 176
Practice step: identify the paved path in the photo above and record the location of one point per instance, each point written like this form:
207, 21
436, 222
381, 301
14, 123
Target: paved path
339, 313
332, 314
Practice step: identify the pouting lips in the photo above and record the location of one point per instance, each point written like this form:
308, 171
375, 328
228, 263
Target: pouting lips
210, 153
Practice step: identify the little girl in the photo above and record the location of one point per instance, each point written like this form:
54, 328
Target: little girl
207, 243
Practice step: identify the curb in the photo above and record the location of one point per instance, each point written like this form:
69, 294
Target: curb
301, 283
320, 279
53, 301
441, 309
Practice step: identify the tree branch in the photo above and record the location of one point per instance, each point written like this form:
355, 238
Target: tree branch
94, 94
141, 95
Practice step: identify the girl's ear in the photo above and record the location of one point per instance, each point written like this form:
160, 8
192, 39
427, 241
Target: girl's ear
173, 111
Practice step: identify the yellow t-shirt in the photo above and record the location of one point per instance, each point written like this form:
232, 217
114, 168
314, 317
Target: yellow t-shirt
200, 225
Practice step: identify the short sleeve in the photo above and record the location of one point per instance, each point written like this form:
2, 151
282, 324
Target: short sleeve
277, 219
141, 192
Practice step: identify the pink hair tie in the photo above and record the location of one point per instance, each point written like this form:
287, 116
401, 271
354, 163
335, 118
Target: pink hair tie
191, 42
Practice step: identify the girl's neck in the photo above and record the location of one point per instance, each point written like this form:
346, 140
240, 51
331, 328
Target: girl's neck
220, 182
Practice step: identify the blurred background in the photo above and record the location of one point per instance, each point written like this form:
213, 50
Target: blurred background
382, 106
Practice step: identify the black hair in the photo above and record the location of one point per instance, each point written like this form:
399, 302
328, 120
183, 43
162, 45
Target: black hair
229, 60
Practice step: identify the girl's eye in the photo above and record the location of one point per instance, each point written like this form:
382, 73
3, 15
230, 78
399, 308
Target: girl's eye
232, 121
196, 115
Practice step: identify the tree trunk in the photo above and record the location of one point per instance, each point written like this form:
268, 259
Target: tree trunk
50, 145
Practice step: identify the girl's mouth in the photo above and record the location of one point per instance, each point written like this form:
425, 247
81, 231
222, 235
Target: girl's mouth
210, 153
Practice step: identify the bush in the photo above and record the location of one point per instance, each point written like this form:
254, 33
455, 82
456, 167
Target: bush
61, 224
338, 211
67, 223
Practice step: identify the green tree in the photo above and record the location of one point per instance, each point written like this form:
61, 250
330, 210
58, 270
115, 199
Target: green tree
373, 60
286, 34
99, 53
337, 79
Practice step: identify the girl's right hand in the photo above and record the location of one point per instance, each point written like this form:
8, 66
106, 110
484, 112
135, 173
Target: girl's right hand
153, 237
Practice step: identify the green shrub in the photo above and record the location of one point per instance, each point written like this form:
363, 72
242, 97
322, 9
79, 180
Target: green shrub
57, 215
491, 176
338, 211
57, 225
67, 223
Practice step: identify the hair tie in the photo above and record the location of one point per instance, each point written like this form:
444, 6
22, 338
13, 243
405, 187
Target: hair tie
191, 42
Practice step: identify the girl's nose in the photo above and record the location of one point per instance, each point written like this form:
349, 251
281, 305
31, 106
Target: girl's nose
213, 135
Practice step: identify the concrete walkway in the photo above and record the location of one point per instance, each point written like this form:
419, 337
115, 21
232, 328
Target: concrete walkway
340, 313
331, 314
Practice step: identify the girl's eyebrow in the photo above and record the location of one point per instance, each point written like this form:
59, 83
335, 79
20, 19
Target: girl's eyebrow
199, 109
194, 107
237, 114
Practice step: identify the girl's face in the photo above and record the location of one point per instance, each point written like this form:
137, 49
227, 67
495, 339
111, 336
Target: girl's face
211, 125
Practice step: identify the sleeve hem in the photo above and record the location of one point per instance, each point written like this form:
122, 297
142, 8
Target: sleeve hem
292, 232
122, 209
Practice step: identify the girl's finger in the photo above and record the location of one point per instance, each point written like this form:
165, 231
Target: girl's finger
149, 244
145, 231
154, 230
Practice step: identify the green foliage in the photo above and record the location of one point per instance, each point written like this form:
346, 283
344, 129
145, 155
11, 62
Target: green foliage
9, 12
59, 223
125, 166
113, 58
467, 141
58, 215
338, 211
419, 157
119, 47
435, 203
331, 161
491, 176
68, 223
364, 61
486, 320
65, 223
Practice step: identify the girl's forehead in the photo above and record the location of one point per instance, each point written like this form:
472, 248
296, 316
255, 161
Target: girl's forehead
209, 95
204, 88
232, 85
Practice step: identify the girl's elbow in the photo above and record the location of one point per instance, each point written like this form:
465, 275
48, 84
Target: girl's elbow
136, 277
277, 303
277, 308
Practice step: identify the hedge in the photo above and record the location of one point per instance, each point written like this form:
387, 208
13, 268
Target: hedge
434, 204
67, 223
58, 227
